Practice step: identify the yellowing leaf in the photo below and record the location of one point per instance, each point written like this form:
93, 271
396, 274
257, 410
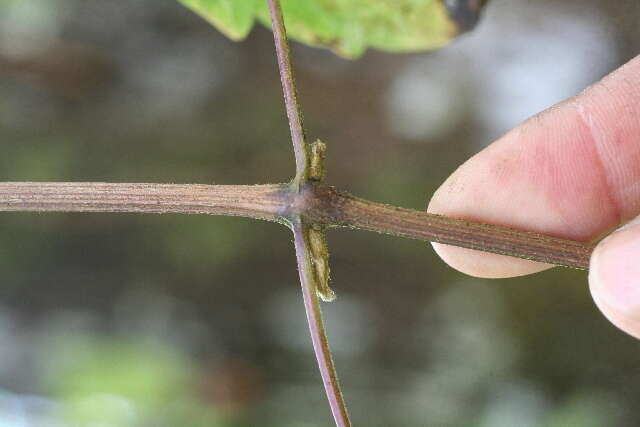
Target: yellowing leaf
349, 27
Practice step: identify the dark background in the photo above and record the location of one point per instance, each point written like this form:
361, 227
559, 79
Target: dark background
143, 320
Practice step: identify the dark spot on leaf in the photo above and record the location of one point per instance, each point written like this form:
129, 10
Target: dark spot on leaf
465, 13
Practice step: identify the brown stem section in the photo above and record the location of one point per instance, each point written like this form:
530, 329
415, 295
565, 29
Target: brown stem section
255, 201
275, 202
341, 209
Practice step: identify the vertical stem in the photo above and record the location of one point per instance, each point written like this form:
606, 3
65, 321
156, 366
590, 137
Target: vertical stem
294, 113
316, 326
308, 275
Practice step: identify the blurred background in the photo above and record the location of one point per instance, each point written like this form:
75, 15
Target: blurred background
130, 320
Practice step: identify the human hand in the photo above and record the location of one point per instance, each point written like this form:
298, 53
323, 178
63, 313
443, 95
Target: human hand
572, 171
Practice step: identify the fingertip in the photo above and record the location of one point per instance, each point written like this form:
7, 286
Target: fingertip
486, 265
470, 193
614, 278
569, 172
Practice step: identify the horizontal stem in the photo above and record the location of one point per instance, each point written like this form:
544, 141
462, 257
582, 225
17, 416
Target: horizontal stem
274, 202
254, 201
342, 209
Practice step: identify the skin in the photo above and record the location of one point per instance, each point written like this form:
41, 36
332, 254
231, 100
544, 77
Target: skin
572, 171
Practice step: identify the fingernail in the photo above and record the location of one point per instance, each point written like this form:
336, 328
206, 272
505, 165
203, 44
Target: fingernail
614, 273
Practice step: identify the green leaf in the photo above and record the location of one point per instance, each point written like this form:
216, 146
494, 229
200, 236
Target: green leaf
234, 18
349, 27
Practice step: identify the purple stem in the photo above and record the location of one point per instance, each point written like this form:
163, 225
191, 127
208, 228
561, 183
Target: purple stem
316, 328
294, 113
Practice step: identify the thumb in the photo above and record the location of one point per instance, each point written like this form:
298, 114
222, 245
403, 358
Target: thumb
614, 277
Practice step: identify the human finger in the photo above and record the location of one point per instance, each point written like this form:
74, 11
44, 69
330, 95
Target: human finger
614, 277
572, 171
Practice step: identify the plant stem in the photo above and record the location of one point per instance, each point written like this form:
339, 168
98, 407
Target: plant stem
310, 276
342, 209
275, 202
255, 201
316, 326
294, 113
